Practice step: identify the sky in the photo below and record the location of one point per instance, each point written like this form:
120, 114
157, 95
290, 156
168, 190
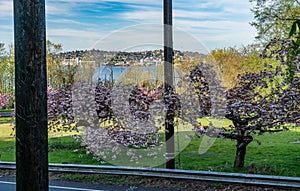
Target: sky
137, 24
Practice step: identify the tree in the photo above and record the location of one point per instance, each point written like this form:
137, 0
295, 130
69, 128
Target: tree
60, 110
277, 23
2, 51
9, 76
293, 52
233, 62
3, 59
286, 50
60, 70
261, 102
7, 72
273, 18
54, 73
4, 98
97, 107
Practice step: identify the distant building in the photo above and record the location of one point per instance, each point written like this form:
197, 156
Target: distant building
71, 61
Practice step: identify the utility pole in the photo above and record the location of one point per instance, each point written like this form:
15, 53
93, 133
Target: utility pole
31, 95
168, 78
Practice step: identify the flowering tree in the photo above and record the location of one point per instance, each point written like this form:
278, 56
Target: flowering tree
140, 100
118, 122
103, 100
113, 115
132, 114
96, 107
287, 52
60, 110
260, 103
4, 99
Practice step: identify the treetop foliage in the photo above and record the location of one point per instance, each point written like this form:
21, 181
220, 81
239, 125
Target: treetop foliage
273, 18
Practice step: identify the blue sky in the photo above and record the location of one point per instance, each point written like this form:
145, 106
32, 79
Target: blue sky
107, 24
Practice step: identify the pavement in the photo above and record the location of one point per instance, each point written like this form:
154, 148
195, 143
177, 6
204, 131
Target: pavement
6, 114
9, 184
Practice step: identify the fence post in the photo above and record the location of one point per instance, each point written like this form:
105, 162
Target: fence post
31, 95
168, 77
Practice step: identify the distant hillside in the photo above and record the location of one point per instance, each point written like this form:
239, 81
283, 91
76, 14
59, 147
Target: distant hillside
101, 57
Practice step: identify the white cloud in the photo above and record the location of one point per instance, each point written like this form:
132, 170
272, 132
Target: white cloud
130, 37
70, 21
196, 14
153, 2
72, 39
143, 16
6, 8
155, 15
218, 34
220, 3
58, 9
215, 22
6, 37
224, 25
147, 36
65, 32
8, 28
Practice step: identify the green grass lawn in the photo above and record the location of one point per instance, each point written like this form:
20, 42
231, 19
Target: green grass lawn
61, 146
6, 110
278, 153
4, 120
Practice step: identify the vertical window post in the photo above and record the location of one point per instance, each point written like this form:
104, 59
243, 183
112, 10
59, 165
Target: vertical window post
168, 78
31, 95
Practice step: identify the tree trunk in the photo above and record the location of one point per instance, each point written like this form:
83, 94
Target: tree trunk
241, 151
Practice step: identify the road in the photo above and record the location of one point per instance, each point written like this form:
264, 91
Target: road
8, 184
5, 114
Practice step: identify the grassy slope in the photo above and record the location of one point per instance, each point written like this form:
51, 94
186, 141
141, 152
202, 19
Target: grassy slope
61, 147
278, 153
4, 120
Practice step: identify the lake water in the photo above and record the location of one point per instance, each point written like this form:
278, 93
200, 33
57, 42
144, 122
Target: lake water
114, 72
108, 72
